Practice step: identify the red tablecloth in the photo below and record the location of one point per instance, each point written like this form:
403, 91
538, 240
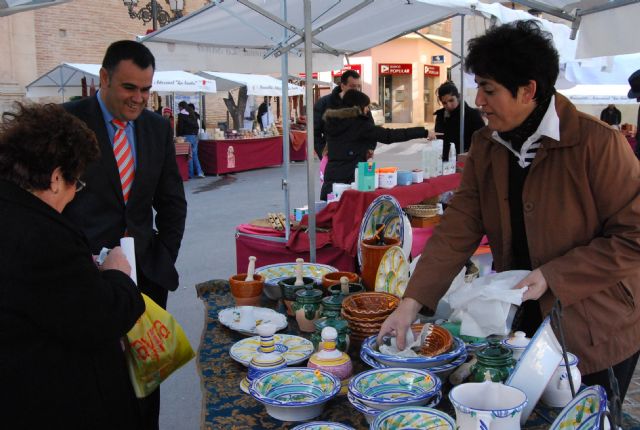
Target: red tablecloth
343, 218
224, 156
297, 145
249, 242
182, 160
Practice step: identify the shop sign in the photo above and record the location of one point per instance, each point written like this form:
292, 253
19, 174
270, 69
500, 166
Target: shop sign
437, 59
395, 69
356, 67
431, 70
314, 75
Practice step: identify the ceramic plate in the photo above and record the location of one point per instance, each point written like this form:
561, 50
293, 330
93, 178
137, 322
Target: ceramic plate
322, 425
294, 349
412, 417
536, 366
244, 319
393, 272
274, 273
385, 210
420, 362
584, 411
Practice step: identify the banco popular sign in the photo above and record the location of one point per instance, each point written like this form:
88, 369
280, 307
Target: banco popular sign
394, 69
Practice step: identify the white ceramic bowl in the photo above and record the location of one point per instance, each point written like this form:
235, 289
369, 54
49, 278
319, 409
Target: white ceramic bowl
413, 417
322, 425
388, 388
370, 347
442, 371
370, 413
294, 393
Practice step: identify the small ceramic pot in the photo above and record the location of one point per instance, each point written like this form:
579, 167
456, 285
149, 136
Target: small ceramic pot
353, 289
307, 308
517, 344
495, 362
557, 394
332, 278
246, 293
371, 256
331, 319
289, 289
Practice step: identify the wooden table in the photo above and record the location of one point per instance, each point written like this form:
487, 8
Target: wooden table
236, 155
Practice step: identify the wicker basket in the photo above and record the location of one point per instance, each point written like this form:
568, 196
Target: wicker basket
422, 211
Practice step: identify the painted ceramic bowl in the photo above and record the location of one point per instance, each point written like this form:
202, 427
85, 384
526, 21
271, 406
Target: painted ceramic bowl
413, 417
370, 413
322, 425
584, 411
369, 304
388, 388
274, 273
421, 362
294, 393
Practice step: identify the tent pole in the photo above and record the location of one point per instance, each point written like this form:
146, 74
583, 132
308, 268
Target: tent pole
311, 189
462, 102
285, 125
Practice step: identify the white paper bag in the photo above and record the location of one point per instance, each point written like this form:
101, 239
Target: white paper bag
129, 249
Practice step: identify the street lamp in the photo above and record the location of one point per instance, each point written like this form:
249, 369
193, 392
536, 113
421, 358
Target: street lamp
153, 12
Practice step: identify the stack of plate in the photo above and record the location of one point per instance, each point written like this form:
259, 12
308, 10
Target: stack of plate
365, 312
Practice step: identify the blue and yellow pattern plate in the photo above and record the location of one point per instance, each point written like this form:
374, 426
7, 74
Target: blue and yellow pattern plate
294, 349
584, 411
322, 425
413, 417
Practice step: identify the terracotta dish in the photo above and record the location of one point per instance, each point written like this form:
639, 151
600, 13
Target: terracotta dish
370, 304
438, 341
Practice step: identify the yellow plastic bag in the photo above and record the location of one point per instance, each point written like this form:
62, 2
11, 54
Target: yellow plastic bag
156, 347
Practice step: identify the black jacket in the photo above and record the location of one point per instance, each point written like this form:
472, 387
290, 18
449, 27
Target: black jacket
611, 117
450, 126
61, 320
100, 212
330, 101
349, 134
187, 125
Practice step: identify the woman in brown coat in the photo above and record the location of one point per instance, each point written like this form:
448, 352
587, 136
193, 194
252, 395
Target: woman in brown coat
557, 192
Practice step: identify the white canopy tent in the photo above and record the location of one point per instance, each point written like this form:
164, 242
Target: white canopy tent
9, 7
257, 85
598, 94
66, 80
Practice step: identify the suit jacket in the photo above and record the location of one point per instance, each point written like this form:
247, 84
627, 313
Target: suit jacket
99, 210
581, 203
61, 320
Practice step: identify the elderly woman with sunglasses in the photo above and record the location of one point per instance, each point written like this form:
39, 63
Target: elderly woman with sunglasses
61, 317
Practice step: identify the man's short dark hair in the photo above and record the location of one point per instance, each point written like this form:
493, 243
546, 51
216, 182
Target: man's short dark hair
349, 74
448, 88
182, 105
127, 50
513, 54
355, 98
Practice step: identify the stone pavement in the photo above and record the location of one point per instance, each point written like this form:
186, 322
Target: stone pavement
632, 399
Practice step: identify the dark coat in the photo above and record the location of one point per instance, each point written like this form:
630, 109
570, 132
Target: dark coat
187, 125
99, 210
450, 126
349, 134
330, 101
61, 362
611, 116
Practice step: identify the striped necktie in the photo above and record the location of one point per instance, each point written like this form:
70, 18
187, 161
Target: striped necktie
124, 158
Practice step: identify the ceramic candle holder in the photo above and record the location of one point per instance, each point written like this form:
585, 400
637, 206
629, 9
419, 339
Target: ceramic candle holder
331, 359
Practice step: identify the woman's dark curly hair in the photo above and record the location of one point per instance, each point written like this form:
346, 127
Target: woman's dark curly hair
513, 54
36, 139
357, 98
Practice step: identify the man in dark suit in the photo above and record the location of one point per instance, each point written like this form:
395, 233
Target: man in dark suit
125, 187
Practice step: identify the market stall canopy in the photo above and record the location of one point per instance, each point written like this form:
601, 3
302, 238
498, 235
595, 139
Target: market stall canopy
232, 36
257, 85
8, 7
598, 94
66, 80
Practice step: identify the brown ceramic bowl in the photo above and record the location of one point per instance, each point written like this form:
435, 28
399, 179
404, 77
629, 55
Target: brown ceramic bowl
370, 304
333, 278
368, 320
245, 289
367, 329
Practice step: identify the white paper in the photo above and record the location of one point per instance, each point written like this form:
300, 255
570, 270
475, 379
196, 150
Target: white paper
128, 247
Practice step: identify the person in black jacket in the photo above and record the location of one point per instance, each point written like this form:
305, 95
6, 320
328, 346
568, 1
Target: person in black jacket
611, 115
350, 80
448, 120
188, 128
349, 131
61, 360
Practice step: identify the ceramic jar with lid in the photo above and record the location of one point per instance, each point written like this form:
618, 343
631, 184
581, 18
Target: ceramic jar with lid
332, 319
290, 287
267, 359
307, 307
495, 363
331, 359
557, 393
517, 344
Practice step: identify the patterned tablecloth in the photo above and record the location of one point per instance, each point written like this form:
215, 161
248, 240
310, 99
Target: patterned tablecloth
226, 407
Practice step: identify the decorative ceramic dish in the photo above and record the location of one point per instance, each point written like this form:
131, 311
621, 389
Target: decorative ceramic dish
322, 425
371, 413
275, 273
536, 366
385, 210
294, 349
393, 272
245, 319
388, 388
369, 304
420, 362
584, 411
413, 417
294, 393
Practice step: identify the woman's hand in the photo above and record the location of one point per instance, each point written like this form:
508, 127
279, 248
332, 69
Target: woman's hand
400, 321
117, 261
536, 285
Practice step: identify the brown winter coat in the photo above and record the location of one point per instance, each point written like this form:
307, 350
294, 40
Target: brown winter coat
582, 218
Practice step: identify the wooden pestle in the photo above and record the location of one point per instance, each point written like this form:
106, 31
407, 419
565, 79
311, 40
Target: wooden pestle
251, 269
344, 285
299, 282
